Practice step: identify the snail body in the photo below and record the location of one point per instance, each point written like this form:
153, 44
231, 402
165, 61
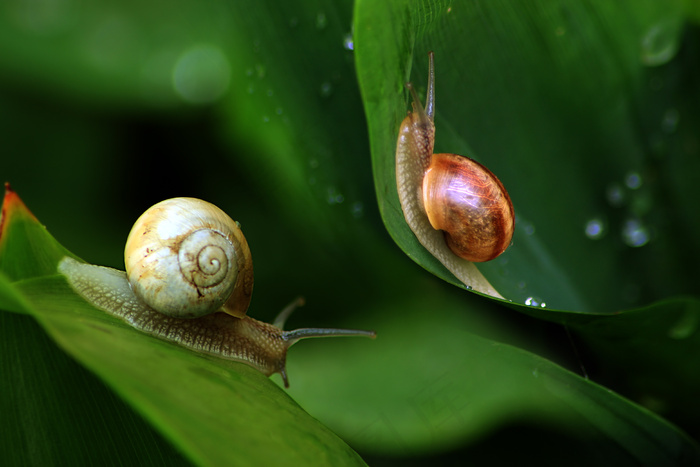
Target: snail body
456, 207
189, 280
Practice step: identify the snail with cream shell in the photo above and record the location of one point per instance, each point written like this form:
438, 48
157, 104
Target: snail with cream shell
457, 208
189, 280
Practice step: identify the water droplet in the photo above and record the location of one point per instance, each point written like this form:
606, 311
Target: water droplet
469, 287
348, 42
529, 229
357, 209
615, 195
313, 163
279, 111
685, 327
595, 229
669, 123
522, 284
249, 72
633, 180
265, 119
326, 89
634, 233
321, 21
333, 196
201, 74
533, 301
269, 93
251, 89
659, 44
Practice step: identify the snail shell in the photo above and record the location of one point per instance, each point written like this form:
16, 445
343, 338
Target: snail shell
456, 207
187, 258
469, 204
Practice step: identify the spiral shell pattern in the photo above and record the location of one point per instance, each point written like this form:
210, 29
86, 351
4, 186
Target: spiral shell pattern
183, 257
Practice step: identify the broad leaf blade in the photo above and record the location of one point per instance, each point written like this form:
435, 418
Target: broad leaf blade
556, 99
215, 411
58, 410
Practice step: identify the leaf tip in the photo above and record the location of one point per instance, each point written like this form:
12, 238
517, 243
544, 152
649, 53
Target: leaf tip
12, 205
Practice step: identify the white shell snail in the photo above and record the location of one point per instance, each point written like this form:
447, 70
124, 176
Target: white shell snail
457, 208
190, 280
185, 257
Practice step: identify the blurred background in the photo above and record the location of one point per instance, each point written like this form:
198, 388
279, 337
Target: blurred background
108, 109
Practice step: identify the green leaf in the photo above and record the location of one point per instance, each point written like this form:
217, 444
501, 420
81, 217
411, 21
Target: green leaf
654, 346
566, 104
216, 412
58, 410
10, 300
440, 383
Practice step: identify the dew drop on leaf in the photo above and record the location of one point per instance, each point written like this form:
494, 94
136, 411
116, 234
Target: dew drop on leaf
635, 233
595, 228
659, 44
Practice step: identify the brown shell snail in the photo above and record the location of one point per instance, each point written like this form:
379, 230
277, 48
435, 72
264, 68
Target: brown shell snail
456, 207
189, 280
